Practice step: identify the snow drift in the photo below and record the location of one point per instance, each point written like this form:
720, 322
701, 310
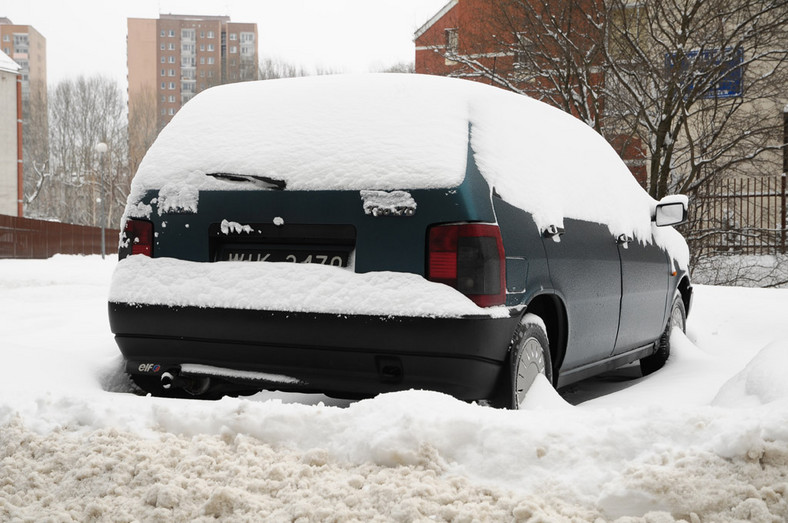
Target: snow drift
76, 443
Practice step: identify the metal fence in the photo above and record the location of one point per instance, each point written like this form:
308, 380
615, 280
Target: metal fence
742, 216
26, 238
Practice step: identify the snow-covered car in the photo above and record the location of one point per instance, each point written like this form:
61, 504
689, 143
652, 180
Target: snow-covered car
354, 235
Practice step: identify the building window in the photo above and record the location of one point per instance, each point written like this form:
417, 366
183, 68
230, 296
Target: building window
172, 86
247, 37
233, 49
172, 32
163, 59
172, 98
210, 34
523, 51
161, 47
171, 59
163, 111
6, 38
163, 98
171, 111
7, 51
172, 72
162, 72
202, 60
163, 33
202, 74
452, 41
171, 47
187, 34
202, 47
164, 85
210, 47
210, 74
210, 60
233, 37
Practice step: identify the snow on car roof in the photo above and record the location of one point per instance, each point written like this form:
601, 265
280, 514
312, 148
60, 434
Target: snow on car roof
397, 131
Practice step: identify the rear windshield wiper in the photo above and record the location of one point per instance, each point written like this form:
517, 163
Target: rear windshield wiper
265, 181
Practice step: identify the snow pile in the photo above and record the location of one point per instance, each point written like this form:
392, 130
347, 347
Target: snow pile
761, 382
742, 270
119, 476
387, 132
76, 444
287, 286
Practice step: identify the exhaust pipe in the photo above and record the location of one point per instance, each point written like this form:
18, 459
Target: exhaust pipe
193, 385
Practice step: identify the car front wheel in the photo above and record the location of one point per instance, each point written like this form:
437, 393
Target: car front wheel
678, 319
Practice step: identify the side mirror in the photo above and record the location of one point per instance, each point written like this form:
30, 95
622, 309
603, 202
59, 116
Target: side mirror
671, 210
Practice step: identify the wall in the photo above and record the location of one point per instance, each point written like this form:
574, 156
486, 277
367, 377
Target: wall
8, 143
25, 238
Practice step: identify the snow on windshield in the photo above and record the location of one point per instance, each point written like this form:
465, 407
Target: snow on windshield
390, 132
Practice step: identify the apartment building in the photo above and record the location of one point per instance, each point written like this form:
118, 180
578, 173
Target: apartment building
28, 48
10, 143
174, 57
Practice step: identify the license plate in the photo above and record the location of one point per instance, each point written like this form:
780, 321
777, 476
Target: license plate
336, 259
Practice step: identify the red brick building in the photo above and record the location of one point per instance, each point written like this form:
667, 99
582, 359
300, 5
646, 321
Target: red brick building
500, 43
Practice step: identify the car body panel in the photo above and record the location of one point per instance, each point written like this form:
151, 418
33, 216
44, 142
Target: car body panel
585, 269
343, 355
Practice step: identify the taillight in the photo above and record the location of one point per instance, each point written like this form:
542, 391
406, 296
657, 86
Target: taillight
470, 258
139, 234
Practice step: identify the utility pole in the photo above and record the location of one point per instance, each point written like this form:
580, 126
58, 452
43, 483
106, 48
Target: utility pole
101, 148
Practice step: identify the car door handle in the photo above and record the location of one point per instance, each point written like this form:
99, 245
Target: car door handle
623, 240
554, 232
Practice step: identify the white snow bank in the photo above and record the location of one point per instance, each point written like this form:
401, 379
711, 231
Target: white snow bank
655, 450
388, 131
762, 381
287, 287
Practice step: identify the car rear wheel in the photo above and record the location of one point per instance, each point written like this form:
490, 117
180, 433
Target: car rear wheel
678, 319
529, 356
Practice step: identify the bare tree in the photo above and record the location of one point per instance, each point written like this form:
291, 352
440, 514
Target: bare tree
82, 113
550, 50
143, 125
699, 83
401, 67
271, 68
35, 140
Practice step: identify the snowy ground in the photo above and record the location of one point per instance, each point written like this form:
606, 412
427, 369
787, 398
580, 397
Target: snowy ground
704, 439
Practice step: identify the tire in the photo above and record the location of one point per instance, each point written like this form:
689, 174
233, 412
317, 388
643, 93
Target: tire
677, 318
529, 356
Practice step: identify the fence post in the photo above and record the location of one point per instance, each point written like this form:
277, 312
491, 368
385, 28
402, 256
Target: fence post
785, 171
782, 197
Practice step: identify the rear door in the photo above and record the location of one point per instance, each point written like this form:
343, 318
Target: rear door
586, 271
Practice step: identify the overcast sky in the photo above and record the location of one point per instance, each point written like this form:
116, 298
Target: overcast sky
89, 36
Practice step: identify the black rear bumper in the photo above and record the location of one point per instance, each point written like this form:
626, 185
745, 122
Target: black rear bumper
340, 355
